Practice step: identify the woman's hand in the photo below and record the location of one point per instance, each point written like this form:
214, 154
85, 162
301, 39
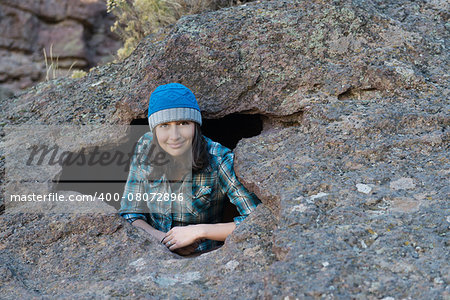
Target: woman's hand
182, 236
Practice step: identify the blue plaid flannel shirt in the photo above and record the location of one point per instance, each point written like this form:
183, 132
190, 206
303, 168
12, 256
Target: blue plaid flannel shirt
204, 193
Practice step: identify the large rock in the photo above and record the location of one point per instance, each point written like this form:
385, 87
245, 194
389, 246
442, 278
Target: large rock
58, 10
351, 166
77, 31
66, 39
17, 30
19, 66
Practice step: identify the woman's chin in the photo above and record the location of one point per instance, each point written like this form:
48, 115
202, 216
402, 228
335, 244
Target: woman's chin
178, 153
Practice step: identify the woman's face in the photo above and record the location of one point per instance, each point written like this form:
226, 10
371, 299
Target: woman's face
175, 137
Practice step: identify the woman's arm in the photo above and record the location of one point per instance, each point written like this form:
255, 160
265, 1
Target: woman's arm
216, 232
244, 200
149, 229
182, 236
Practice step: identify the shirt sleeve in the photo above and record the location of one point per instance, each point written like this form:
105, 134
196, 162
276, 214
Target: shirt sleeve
131, 217
244, 200
130, 206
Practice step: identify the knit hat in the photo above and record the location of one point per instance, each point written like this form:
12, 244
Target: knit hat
172, 102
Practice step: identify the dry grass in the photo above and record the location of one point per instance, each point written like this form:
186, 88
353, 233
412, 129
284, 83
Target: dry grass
52, 67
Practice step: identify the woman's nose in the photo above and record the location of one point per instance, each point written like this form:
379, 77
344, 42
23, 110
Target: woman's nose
174, 132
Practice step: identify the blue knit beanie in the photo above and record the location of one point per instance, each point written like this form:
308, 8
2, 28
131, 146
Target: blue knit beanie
172, 102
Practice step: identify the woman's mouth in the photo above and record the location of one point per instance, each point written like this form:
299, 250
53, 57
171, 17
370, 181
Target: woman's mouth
175, 146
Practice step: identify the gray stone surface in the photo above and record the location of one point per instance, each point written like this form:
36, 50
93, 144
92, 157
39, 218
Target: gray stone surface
351, 93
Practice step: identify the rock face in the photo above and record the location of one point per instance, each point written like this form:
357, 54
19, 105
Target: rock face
77, 32
351, 166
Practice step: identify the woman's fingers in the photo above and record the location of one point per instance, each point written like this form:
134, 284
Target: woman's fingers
170, 243
180, 237
175, 246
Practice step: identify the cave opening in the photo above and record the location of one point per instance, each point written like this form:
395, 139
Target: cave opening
108, 181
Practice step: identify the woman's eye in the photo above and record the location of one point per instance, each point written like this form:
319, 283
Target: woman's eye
184, 123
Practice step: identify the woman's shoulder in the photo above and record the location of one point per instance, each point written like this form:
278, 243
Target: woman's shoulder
217, 150
146, 138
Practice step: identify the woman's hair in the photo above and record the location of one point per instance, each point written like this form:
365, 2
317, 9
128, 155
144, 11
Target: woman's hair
200, 155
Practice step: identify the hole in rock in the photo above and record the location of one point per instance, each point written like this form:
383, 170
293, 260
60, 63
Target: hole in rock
107, 181
228, 131
231, 128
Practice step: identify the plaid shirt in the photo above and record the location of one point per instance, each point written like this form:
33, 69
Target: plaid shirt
203, 193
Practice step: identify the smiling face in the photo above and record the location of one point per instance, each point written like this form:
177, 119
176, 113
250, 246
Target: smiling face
175, 137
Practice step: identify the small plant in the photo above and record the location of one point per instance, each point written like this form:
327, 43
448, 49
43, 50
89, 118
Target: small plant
136, 19
52, 67
78, 74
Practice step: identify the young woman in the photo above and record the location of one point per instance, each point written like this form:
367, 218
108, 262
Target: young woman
179, 179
